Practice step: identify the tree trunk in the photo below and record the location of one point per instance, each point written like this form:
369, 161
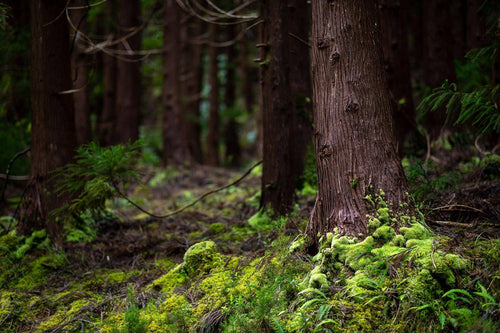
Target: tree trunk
438, 63
175, 150
128, 86
284, 75
213, 121
191, 86
476, 28
231, 140
107, 117
355, 146
52, 118
393, 14
80, 72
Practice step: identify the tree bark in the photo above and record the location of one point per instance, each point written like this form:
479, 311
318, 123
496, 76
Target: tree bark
52, 119
355, 146
393, 14
80, 72
284, 76
231, 140
107, 116
476, 28
191, 76
175, 150
438, 64
128, 86
213, 121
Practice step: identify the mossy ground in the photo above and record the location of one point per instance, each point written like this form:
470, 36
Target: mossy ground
223, 266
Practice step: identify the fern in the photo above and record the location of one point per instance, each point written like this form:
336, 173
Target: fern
477, 107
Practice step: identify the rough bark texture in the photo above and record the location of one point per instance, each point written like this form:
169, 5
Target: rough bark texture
438, 63
284, 74
213, 80
80, 72
397, 67
52, 117
191, 85
476, 28
107, 116
175, 150
231, 140
355, 146
128, 86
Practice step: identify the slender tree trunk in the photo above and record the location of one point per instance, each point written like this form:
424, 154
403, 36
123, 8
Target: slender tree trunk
175, 150
355, 146
80, 72
213, 122
231, 140
246, 74
191, 85
284, 74
107, 118
52, 120
438, 63
393, 14
128, 86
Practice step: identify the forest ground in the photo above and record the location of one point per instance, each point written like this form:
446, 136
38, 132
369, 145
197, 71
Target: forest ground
129, 272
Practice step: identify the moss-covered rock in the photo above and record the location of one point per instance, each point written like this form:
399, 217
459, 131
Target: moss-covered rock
201, 258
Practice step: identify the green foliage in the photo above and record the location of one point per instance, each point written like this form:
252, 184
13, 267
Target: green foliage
474, 100
424, 183
96, 174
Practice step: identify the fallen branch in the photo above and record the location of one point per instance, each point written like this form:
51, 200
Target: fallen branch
454, 224
203, 196
9, 166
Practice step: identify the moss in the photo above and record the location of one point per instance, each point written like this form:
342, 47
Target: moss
416, 231
39, 271
217, 227
398, 240
384, 233
318, 280
167, 282
383, 215
356, 255
298, 244
64, 317
200, 258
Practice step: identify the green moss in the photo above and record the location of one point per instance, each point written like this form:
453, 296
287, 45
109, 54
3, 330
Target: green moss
318, 280
416, 231
167, 282
201, 258
39, 271
384, 233
354, 255
217, 227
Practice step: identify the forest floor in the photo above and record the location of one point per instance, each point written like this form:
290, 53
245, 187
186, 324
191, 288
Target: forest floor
129, 272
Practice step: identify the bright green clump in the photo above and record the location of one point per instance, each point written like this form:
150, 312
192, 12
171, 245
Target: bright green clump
200, 258
416, 231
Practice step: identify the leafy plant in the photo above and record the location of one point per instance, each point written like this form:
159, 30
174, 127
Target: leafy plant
474, 101
97, 174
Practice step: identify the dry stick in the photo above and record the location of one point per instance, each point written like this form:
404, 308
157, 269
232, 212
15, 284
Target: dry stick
7, 177
204, 195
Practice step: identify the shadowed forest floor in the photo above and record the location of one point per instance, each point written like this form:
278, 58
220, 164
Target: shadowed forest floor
135, 273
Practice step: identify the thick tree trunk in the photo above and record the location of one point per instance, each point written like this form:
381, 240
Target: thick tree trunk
438, 63
355, 146
191, 77
393, 14
213, 121
284, 76
128, 86
52, 117
231, 140
476, 28
80, 72
175, 149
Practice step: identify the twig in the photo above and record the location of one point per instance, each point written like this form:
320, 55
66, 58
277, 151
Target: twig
22, 152
449, 207
428, 141
299, 39
454, 224
204, 195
